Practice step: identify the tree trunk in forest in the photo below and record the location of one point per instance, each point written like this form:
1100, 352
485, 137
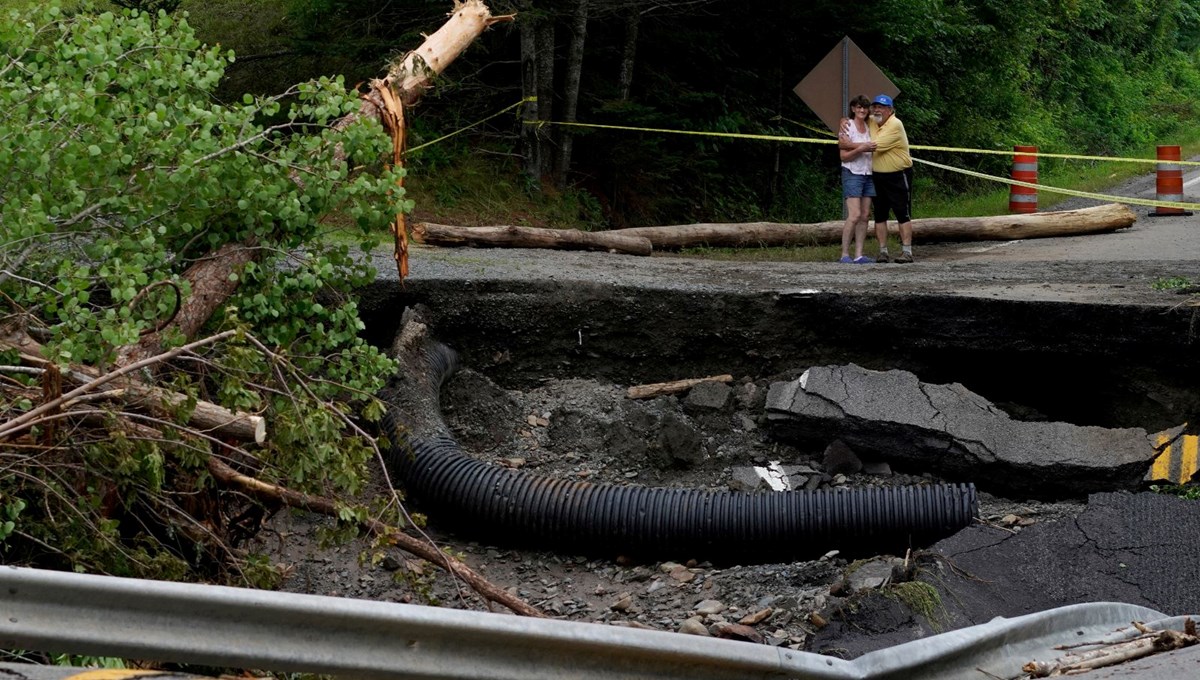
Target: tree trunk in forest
544, 44
1109, 217
529, 237
527, 28
628, 54
579, 19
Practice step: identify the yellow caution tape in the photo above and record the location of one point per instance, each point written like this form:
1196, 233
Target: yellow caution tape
1068, 192
806, 126
1039, 154
919, 147
444, 137
734, 135
809, 140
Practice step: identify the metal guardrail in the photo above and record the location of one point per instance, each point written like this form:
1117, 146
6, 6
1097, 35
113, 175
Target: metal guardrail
241, 628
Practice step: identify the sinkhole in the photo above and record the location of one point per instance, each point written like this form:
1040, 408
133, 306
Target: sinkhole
1107, 365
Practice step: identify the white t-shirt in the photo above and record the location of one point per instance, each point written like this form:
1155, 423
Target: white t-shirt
862, 164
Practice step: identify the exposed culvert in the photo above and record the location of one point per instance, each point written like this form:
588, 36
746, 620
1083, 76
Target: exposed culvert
510, 506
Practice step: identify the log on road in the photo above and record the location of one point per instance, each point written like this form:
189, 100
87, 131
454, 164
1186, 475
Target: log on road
1099, 219
530, 237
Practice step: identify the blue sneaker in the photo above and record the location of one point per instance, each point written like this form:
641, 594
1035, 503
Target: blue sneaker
863, 259
845, 259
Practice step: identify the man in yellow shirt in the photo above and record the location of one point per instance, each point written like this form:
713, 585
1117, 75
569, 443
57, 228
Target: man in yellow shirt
892, 170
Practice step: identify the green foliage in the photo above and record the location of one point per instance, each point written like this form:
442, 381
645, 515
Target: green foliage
1189, 492
920, 597
1172, 283
121, 173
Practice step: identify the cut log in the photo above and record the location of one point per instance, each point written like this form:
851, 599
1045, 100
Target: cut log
530, 237
673, 387
1099, 219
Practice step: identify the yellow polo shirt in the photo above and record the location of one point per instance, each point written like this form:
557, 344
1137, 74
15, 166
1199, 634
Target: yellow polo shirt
891, 146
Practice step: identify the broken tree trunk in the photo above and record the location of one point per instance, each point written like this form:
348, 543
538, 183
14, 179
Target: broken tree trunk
530, 237
212, 277
412, 75
213, 280
1099, 219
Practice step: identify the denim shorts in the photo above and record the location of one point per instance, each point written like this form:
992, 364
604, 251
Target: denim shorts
855, 186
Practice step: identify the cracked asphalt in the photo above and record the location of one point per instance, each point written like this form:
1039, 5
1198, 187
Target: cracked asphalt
1133, 548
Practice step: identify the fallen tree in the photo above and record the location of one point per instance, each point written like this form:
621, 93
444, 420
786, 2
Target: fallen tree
1099, 219
164, 297
529, 237
640, 240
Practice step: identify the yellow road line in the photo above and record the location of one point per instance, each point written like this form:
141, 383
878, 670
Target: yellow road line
1187, 466
1162, 465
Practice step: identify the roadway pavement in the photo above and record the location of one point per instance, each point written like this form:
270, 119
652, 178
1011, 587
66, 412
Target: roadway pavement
1154, 239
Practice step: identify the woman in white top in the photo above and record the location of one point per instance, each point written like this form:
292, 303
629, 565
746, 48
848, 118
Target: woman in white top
855, 147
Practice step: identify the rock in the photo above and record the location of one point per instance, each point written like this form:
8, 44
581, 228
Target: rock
840, 459
708, 396
735, 631
623, 603
817, 620
679, 444
878, 468
694, 626
681, 574
871, 574
514, 463
746, 479
757, 617
751, 396
709, 607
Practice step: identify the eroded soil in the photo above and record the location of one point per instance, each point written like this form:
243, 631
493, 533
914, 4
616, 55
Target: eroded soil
589, 430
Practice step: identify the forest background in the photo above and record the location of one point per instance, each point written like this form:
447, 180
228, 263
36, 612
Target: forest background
137, 158
1091, 77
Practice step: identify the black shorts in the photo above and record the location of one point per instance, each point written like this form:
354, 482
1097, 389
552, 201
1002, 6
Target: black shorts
893, 192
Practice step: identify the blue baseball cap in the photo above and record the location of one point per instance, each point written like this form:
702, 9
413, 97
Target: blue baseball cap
883, 100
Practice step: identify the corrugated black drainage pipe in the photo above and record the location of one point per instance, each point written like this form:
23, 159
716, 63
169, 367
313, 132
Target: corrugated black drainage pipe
506, 506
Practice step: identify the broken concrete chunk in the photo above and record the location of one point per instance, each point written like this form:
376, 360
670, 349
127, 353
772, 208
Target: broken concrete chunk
950, 431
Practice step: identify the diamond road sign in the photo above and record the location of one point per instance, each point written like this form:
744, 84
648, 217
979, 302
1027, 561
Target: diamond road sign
843, 73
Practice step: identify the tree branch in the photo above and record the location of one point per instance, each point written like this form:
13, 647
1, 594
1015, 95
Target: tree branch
324, 506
